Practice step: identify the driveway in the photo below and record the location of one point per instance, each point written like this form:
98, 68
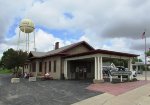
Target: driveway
53, 92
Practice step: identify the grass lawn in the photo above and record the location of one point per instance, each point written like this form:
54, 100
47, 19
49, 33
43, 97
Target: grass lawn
5, 71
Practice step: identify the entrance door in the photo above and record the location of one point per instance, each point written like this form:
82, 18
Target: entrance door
80, 73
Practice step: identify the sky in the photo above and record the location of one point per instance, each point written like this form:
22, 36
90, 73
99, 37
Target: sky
115, 25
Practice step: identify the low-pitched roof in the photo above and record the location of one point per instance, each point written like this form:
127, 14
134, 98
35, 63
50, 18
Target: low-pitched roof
38, 54
60, 50
103, 52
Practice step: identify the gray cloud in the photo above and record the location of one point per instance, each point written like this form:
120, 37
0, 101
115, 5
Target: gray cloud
140, 45
101, 20
128, 20
126, 29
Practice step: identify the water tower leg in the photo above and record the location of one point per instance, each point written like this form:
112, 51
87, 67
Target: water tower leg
25, 38
18, 41
28, 42
34, 40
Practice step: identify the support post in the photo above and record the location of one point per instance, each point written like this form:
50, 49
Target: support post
101, 68
95, 68
130, 68
37, 68
65, 69
130, 64
98, 70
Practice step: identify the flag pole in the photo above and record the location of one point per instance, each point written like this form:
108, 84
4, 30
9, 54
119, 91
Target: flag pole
145, 60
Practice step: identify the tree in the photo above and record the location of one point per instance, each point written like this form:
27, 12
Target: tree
148, 53
13, 59
136, 60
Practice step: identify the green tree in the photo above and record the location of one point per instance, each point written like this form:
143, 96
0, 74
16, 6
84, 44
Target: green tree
13, 59
148, 53
136, 60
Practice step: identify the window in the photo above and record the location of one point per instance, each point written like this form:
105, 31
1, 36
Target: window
45, 66
40, 67
30, 67
54, 66
33, 67
49, 66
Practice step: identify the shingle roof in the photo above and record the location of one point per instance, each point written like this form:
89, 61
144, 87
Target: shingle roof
62, 50
103, 52
58, 51
38, 54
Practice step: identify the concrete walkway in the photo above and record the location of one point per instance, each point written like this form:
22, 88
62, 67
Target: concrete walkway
97, 100
138, 96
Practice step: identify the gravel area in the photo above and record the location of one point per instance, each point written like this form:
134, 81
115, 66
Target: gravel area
52, 92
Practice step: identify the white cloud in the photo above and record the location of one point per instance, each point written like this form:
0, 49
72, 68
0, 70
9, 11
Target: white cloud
106, 24
45, 42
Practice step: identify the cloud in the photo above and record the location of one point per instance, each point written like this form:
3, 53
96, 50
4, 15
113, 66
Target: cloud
9, 11
140, 44
107, 24
124, 19
44, 42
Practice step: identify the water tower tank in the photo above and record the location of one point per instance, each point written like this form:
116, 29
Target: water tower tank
26, 25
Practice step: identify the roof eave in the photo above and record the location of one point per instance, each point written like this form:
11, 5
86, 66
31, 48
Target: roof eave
103, 52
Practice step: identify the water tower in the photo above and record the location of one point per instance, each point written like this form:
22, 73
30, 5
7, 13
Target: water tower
26, 28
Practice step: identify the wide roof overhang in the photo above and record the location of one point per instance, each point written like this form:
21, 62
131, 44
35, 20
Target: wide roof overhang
100, 51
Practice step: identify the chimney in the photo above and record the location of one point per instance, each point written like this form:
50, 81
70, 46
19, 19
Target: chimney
56, 45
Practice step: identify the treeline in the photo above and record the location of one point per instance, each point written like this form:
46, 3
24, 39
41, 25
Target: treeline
13, 59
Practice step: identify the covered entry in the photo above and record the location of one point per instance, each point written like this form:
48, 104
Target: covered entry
89, 65
81, 69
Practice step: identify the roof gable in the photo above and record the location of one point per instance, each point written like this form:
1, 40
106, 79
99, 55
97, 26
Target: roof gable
78, 44
60, 50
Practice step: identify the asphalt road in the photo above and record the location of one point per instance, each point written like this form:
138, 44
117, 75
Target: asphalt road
53, 92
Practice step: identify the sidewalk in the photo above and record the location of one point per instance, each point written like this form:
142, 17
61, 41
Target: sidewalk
138, 96
142, 77
97, 100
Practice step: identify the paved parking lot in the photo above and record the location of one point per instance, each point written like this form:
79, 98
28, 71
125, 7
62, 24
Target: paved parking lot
54, 92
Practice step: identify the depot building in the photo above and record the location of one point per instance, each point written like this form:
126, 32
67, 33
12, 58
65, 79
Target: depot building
76, 61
